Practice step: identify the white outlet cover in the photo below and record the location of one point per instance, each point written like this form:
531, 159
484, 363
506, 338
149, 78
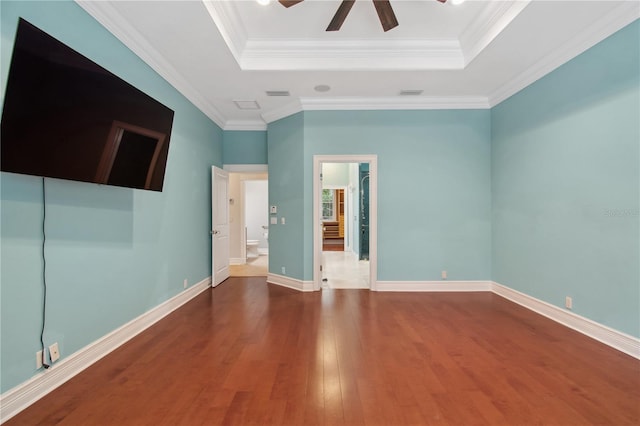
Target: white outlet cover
274, 220
54, 352
38, 359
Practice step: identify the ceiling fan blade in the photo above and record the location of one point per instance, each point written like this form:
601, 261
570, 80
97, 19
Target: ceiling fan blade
442, 1
340, 15
289, 3
386, 15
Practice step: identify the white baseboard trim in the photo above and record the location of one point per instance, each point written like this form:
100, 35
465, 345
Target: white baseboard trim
20, 397
616, 339
263, 251
442, 286
289, 282
237, 261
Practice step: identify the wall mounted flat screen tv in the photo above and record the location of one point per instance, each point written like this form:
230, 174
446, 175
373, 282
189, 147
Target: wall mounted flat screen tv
66, 117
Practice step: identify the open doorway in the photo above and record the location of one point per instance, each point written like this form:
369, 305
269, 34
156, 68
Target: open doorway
344, 221
249, 224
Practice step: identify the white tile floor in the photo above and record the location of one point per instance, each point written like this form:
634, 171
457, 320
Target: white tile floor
344, 270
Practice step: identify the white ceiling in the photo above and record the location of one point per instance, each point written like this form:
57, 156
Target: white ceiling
472, 55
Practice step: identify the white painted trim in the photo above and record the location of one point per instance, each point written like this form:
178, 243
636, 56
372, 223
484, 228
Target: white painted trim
20, 397
246, 168
237, 261
351, 55
492, 20
390, 103
616, 339
112, 20
618, 17
225, 16
253, 125
360, 54
289, 282
286, 110
395, 103
435, 286
263, 251
373, 213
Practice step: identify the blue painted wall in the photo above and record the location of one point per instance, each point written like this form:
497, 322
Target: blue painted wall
112, 253
244, 147
566, 185
287, 192
434, 196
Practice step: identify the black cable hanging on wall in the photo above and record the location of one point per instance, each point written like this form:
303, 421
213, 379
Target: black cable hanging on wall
44, 273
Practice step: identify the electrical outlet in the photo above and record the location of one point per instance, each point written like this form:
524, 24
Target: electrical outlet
568, 302
185, 283
54, 352
39, 359
284, 271
444, 275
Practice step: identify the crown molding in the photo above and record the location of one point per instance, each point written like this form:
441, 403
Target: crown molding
252, 125
110, 18
491, 22
228, 22
351, 55
619, 17
395, 54
374, 104
395, 103
282, 112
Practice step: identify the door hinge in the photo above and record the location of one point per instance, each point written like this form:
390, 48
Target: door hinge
320, 268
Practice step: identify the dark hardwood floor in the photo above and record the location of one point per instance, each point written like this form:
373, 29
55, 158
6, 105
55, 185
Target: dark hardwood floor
251, 353
333, 244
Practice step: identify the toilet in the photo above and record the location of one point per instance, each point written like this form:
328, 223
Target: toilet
252, 248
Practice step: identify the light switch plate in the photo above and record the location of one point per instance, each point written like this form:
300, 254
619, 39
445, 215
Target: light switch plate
274, 220
273, 209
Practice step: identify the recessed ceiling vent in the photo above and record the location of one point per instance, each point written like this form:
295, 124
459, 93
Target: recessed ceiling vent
278, 93
411, 92
246, 104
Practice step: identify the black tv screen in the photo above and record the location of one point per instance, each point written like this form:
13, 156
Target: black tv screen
66, 117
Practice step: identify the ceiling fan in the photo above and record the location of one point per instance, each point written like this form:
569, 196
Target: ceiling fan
383, 8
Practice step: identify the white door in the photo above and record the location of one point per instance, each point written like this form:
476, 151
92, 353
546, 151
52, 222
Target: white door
219, 225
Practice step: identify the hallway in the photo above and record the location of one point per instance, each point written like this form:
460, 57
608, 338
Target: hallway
342, 269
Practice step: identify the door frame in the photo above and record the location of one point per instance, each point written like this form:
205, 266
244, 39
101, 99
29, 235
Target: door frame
243, 211
245, 169
372, 160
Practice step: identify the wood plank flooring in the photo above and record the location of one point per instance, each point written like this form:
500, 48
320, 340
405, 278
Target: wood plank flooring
251, 353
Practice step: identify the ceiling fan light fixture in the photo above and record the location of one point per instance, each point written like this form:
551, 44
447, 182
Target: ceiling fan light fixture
457, 2
263, 2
